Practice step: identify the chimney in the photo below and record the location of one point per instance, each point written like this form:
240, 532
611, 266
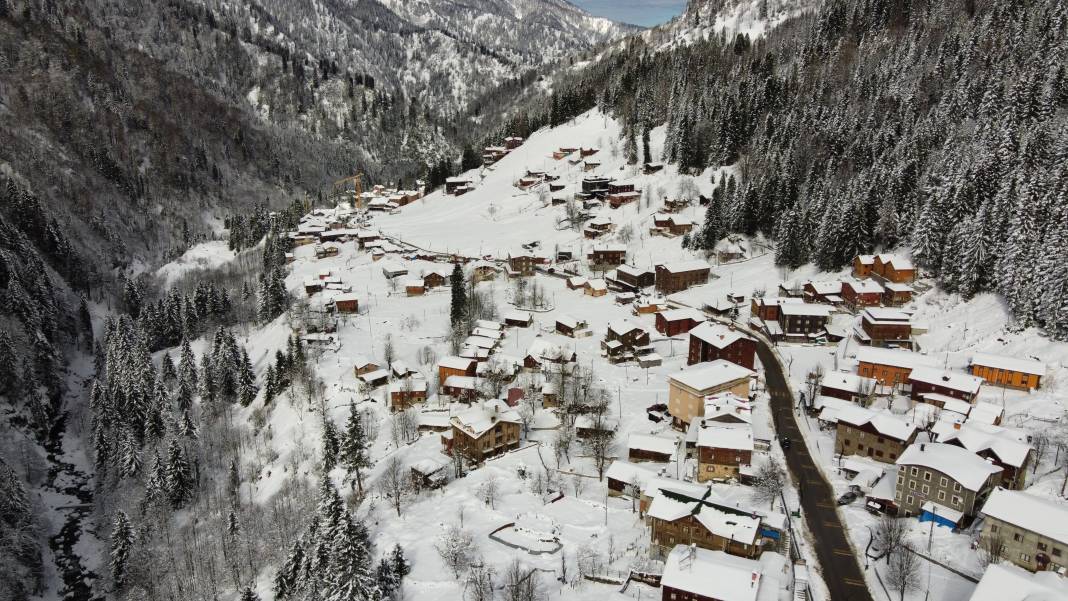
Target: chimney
956, 425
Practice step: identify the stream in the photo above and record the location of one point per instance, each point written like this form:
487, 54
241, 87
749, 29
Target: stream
65, 479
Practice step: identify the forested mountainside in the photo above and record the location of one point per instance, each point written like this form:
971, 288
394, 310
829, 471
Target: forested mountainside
130, 129
866, 124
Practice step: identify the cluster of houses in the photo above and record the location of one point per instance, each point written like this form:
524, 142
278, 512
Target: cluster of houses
382, 199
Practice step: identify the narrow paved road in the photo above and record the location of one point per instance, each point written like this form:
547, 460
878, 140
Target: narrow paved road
840, 569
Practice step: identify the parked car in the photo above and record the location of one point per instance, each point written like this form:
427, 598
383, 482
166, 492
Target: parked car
657, 407
847, 497
784, 442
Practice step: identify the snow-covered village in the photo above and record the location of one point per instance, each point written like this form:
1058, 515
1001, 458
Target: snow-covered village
617, 340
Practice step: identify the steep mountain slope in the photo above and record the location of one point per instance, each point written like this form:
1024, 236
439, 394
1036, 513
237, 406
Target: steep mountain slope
132, 129
866, 125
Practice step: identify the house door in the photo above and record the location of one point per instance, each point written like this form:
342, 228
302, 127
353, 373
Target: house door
1042, 561
871, 451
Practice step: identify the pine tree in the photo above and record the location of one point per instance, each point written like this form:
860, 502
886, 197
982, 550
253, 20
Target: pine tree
354, 456
386, 578
350, 577
122, 540
331, 444
458, 309
399, 563
248, 594
178, 476
286, 578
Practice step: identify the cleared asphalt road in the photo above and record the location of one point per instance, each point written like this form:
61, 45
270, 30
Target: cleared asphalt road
840, 569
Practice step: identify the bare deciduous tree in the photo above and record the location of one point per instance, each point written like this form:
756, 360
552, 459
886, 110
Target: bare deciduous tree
522, 583
891, 533
480, 582
903, 570
394, 483
456, 547
489, 491
991, 549
769, 482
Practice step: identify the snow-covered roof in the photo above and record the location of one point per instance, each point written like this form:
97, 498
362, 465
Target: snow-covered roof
375, 375
515, 315
488, 324
454, 362
597, 284
1046, 517
631, 270
884, 422
894, 357
622, 327
717, 334
479, 419
630, 473
738, 438
864, 286
852, 383
827, 287
705, 376
495, 334
461, 382
577, 280
622, 248
681, 314
955, 381
717, 575
480, 342
656, 444
411, 384
541, 348
779, 300
898, 287
806, 309
979, 438
967, 468
1026, 366
886, 314
948, 403
897, 261
685, 266
1007, 582
985, 413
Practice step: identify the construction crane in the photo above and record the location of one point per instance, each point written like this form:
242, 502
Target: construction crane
341, 186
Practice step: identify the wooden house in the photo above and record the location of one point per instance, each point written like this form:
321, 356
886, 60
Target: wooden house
456, 366
435, 279
894, 268
634, 278
678, 321
519, 319
483, 431
603, 255
618, 199
895, 294
513, 142
1011, 372
862, 266
646, 447
569, 326
362, 366
595, 287
577, 282
711, 341
862, 293
800, 321
523, 264
767, 308
406, 393
928, 380
890, 367
651, 168
313, 287
681, 275
453, 185
879, 435
414, 288
623, 338
482, 271
347, 303
884, 326
827, 291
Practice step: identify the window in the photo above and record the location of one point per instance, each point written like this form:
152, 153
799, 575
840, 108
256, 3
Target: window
925, 489
893, 455
881, 439
941, 495
914, 471
878, 453
927, 476
944, 482
1016, 537
957, 501
1025, 557
993, 527
900, 480
956, 487
912, 485
909, 501
1041, 546
1056, 551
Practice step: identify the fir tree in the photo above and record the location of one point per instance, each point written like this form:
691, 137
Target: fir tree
354, 456
178, 476
122, 540
458, 309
